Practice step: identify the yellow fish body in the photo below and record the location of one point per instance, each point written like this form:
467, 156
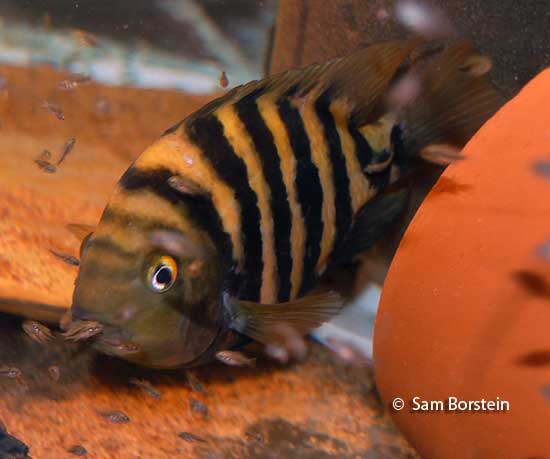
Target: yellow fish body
225, 225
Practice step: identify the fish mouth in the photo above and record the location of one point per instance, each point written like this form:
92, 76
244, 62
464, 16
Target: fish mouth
192, 346
116, 346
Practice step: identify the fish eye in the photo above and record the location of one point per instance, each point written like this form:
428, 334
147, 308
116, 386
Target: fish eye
162, 274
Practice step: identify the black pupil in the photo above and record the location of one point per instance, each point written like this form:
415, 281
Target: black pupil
164, 275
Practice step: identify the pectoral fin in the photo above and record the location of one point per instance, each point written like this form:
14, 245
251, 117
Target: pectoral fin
373, 221
264, 322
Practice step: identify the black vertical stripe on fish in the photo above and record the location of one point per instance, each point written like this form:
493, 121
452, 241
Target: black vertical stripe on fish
264, 144
208, 134
202, 212
362, 148
342, 197
398, 147
308, 186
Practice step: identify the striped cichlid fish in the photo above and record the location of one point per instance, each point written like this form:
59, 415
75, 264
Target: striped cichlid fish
226, 224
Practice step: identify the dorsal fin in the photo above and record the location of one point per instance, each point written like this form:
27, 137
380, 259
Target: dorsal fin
360, 78
450, 96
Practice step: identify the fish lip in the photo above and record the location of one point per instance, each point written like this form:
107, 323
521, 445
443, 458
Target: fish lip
115, 347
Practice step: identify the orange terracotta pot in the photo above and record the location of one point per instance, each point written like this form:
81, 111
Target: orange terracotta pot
465, 311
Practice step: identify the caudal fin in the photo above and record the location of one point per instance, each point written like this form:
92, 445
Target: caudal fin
453, 98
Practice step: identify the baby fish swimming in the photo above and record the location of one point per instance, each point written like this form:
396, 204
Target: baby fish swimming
224, 81
54, 372
146, 386
55, 111
82, 330
77, 450
69, 145
38, 332
224, 227
13, 373
198, 407
191, 437
235, 358
10, 372
65, 257
194, 383
116, 417
73, 82
46, 166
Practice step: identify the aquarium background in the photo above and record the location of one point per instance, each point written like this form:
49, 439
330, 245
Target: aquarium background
165, 43
152, 63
